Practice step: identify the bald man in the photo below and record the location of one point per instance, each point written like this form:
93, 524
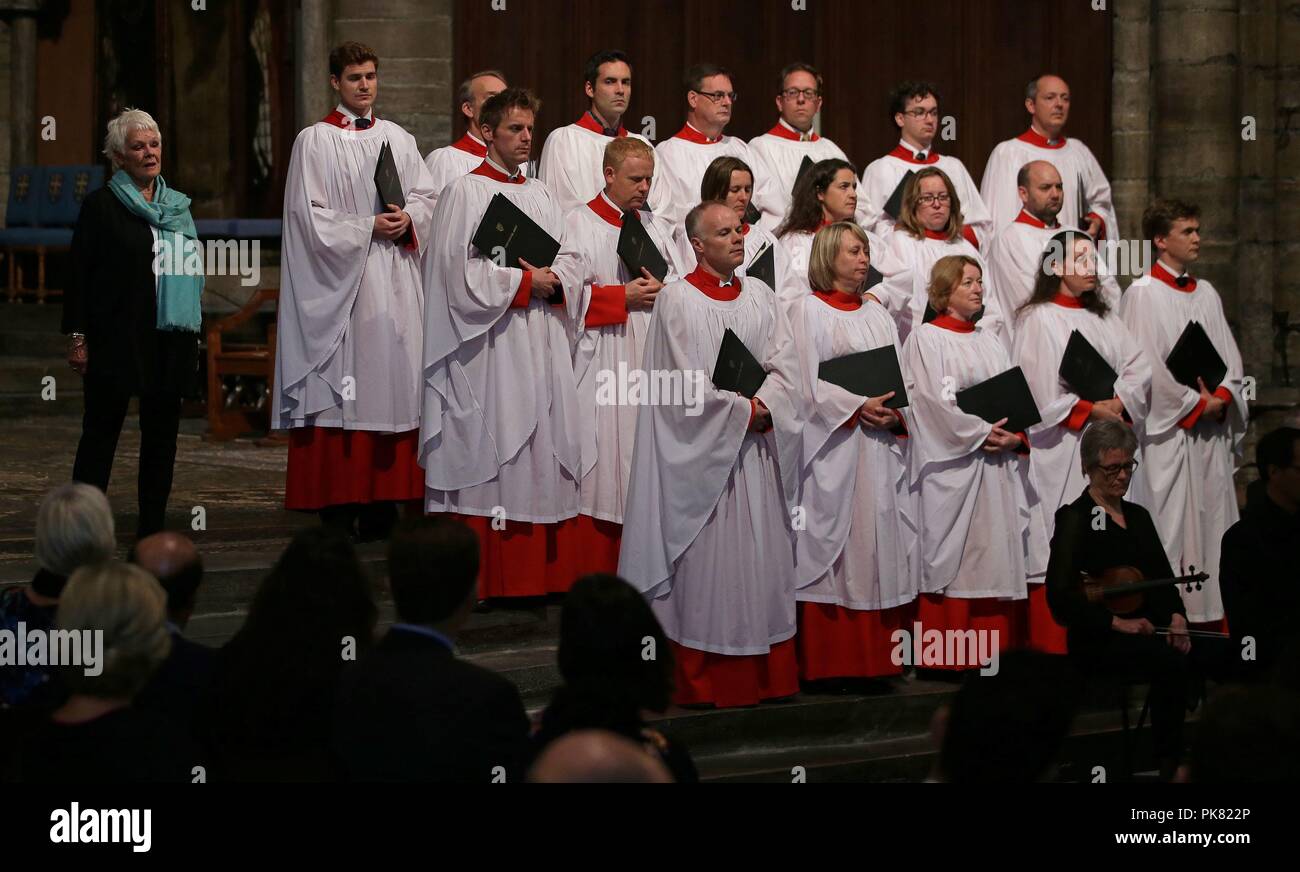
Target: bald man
1086, 198
463, 155
597, 757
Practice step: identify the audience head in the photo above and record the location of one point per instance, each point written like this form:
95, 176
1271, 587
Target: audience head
1174, 228
129, 607
597, 757
799, 97
175, 562
825, 193
956, 286
1047, 100
474, 92
1248, 735
629, 168
715, 233
710, 97
730, 180
1276, 459
1106, 454
914, 107
1041, 190
840, 258
930, 203
74, 527
607, 81
433, 570
1068, 265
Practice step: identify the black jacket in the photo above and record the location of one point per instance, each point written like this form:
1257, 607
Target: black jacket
411, 711
112, 299
1259, 575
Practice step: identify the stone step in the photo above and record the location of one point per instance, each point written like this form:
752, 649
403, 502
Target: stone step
25, 375
31, 317
32, 343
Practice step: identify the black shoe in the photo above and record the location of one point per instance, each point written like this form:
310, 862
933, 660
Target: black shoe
375, 521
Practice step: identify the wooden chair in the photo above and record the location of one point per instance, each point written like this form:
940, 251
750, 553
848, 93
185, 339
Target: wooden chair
239, 359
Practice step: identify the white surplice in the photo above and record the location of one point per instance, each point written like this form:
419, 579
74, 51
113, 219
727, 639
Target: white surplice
894, 291
782, 153
680, 162
572, 162
904, 253
883, 174
1072, 159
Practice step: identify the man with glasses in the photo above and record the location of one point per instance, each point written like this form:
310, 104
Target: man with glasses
784, 147
914, 108
681, 160
1088, 203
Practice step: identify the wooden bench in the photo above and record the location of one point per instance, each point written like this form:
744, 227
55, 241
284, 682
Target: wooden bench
228, 418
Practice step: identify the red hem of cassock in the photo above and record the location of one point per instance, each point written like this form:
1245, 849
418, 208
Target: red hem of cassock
1042, 633
838, 642
598, 545
728, 681
524, 559
330, 466
935, 611
1219, 626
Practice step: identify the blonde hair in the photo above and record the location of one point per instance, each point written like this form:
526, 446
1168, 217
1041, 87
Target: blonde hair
121, 126
826, 247
129, 607
74, 526
623, 147
907, 219
945, 277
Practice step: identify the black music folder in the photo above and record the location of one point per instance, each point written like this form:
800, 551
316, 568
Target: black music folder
804, 166
873, 278
1195, 355
1082, 203
737, 369
752, 214
1086, 371
387, 181
895, 202
763, 266
868, 374
506, 226
1006, 395
636, 249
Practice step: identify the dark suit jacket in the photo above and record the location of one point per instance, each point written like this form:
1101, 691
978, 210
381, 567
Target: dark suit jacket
1259, 575
181, 683
410, 711
111, 298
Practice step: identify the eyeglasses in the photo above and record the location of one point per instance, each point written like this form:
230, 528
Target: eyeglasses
1114, 469
717, 96
932, 199
923, 113
808, 93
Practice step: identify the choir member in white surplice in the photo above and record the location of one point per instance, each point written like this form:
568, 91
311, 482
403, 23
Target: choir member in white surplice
914, 107
680, 160
465, 154
782, 149
706, 533
827, 193
347, 360
1068, 297
1047, 100
855, 561
611, 310
1192, 438
573, 157
730, 181
500, 434
982, 536
931, 226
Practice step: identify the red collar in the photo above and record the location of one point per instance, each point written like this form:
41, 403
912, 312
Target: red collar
784, 132
589, 122
839, 299
744, 229
338, 119
904, 153
1158, 271
470, 145
491, 172
709, 285
690, 134
602, 207
1034, 137
956, 325
1064, 299
1025, 218
936, 234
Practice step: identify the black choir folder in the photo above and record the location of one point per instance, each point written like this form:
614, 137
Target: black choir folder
506, 226
763, 267
1195, 355
752, 214
894, 204
804, 166
868, 374
737, 370
1006, 395
1086, 371
387, 181
636, 249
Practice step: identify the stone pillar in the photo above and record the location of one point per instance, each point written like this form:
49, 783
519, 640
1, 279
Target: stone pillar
22, 81
1257, 192
312, 61
1131, 95
1283, 138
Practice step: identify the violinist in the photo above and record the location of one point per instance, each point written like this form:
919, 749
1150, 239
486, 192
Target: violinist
1102, 531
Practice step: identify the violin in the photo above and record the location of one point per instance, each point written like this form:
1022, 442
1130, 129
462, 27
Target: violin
1122, 589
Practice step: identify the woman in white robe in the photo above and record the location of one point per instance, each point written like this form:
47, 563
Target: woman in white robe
981, 534
854, 552
1067, 297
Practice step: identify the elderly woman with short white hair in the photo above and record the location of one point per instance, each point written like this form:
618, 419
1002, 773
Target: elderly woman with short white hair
133, 329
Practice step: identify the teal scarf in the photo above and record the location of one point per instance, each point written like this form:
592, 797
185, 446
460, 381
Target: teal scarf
178, 293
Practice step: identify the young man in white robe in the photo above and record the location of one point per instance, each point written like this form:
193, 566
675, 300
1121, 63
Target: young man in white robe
462, 156
1015, 255
680, 160
500, 435
982, 536
783, 149
914, 107
350, 316
707, 531
572, 162
1047, 100
610, 308
855, 550
1066, 298
1192, 437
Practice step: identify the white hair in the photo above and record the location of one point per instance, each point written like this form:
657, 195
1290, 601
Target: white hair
74, 527
119, 127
